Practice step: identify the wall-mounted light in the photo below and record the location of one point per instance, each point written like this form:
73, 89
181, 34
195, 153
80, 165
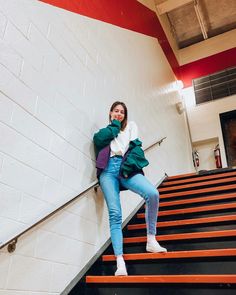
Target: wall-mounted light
180, 107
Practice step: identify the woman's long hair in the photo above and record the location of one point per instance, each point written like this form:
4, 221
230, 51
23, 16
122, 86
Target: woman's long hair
124, 122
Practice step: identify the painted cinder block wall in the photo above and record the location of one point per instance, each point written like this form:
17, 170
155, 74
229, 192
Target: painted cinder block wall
59, 74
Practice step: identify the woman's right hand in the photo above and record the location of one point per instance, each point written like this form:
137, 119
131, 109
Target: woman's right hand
114, 117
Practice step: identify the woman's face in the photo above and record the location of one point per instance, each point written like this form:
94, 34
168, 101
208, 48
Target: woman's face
118, 113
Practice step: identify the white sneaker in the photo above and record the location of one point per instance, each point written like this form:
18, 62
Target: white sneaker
121, 271
155, 247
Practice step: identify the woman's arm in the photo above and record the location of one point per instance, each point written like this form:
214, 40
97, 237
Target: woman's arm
105, 135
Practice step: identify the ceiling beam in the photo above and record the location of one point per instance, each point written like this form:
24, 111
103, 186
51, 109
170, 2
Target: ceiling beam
170, 5
200, 20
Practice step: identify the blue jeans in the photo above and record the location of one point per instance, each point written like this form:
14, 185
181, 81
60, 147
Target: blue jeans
110, 185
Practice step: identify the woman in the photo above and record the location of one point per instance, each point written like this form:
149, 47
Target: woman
119, 163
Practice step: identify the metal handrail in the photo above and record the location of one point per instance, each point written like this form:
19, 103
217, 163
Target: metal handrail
157, 142
11, 243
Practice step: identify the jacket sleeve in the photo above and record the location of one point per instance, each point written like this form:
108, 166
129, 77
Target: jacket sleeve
105, 135
135, 160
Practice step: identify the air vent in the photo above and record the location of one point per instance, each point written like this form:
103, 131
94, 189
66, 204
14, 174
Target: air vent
215, 86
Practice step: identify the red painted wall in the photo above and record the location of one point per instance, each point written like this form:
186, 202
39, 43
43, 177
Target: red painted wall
132, 15
208, 65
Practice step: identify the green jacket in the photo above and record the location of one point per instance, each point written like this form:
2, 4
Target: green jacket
133, 161
105, 135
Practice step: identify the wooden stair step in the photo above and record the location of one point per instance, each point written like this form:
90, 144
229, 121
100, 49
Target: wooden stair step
175, 254
199, 191
186, 175
193, 210
185, 236
173, 223
193, 175
197, 179
192, 185
198, 200
164, 279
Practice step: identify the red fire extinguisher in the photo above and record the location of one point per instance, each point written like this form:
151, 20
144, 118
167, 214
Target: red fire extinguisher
196, 160
217, 156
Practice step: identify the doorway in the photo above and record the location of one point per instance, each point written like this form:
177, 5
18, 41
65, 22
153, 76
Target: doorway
228, 126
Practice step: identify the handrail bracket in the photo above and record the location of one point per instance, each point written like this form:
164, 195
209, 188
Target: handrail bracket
12, 246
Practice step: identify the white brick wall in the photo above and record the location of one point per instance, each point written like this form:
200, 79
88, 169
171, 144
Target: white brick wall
59, 74
27, 125
17, 91
22, 177
6, 109
10, 201
15, 38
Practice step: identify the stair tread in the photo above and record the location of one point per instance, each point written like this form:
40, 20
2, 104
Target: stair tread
198, 200
175, 254
200, 174
191, 185
197, 179
195, 279
185, 236
190, 221
185, 175
199, 191
193, 209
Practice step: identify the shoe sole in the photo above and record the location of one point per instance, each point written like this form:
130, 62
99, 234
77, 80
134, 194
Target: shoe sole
153, 251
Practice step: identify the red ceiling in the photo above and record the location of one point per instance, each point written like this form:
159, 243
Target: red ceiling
132, 15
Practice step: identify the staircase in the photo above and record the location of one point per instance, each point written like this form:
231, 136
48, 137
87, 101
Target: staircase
197, 224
